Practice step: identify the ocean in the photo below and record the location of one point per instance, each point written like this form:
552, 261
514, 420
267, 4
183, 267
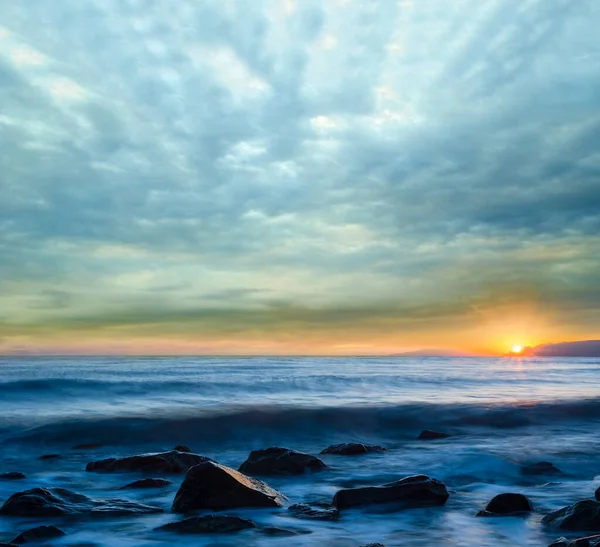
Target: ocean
502, 413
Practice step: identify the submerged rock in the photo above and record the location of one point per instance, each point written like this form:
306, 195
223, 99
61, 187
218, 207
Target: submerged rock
429, 435
49, 457
280, 461
87, 446
540, 468
415, 491
163, 462
12, 476
304, 511
583, 515
216, 487
147, 483
55, 502
508, 504
182, 448
373, 545
208, 524
597, 494
38, 533
283, 532
353, 449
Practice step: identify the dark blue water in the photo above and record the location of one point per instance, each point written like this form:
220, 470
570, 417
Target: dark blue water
502, 412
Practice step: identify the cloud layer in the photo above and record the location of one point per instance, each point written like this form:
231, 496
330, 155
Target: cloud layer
253, 176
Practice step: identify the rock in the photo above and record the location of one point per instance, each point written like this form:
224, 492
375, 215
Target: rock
280, 461
428, 435
507, 505
49, 457
55, 502
87, 446
415, 491
304, 511
12, 476
182, 448
147, 483
591, 541
353, 449
584, 515
8, 545
597, 494
373, 545
274, 531
560, 542
540, 468
39, 533
208, 524
164, 462
216, 487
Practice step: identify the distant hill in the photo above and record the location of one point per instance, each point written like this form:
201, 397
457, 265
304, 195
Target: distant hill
434, 353
585, 348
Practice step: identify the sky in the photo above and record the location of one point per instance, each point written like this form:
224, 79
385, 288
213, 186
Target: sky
298, 177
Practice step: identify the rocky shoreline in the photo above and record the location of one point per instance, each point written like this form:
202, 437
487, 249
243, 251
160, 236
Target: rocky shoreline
211, 489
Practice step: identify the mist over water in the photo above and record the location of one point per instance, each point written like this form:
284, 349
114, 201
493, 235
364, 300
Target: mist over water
502, 413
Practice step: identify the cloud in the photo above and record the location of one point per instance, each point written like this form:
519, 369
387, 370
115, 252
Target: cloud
336, 160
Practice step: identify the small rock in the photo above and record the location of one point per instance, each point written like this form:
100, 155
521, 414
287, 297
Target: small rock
597, 494
415, 491
304, 511
428, 435
280, 461
591, 541
540, 468
12, 476
55, 502
87, 446
164, 462
353, 449
560, 542
508, 504
274, 531
147, 483
373, 545
49, 457
583, 515
216, 487
38, 534
208, 524
182, 448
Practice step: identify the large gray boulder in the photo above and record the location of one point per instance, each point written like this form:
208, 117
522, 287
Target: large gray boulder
56, 502
583, 515
280, 461
162, 462
216, 487
415, 491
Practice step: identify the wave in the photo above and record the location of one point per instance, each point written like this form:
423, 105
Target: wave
276, 423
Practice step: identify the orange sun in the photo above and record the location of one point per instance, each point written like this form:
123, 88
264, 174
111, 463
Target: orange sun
516, 349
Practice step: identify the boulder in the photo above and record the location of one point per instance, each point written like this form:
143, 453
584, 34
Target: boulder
39, 533
147, 483
87, 446
280, 461
55, 502
415, 491
182, 448
163, 462
12, 476
429, 435
584, 515
506, 505
208, 524
216, 487
305, 511
540, 468
353, 449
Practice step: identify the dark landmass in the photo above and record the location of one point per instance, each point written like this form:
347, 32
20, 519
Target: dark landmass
584, 348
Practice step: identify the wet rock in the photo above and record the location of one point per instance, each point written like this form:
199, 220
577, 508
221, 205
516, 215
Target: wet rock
49, 457
540, 468
597, 494
87, 446
8, 545
508, 504
590, 541
429, 435
415, 491
560, 542
216, 487
282, 532
373, 545
304, 511
164, 462
12, 476
55, 502
39, 533
584, 515
147, 483
280, 461
353, 449
208, 524
182, 448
